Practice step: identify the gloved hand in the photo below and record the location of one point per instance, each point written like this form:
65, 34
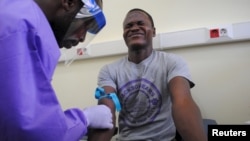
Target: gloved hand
98, 116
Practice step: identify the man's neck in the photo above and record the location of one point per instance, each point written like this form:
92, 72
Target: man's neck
138, 56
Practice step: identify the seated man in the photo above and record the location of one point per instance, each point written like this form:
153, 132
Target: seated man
153, 88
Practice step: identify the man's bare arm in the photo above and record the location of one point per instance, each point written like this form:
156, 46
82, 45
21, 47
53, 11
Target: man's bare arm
186, 113
104, 134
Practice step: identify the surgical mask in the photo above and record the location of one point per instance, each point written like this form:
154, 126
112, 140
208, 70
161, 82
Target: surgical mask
87, 23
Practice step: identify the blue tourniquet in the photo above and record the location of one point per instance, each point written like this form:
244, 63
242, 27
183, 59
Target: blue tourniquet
99, 94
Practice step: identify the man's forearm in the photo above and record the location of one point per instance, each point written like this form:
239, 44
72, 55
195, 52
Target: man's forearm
188, 121
100, 134
104, 134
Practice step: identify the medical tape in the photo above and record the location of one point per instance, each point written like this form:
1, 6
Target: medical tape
99, 94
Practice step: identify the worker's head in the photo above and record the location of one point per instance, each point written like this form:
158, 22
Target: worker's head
90, 19
60, 14
71, 19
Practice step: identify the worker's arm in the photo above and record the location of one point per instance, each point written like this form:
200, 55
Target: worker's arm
186, 113
29, 107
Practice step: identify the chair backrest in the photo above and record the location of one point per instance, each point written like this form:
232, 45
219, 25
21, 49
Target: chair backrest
207, 122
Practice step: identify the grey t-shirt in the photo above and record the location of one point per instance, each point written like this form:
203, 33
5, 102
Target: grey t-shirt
144, 96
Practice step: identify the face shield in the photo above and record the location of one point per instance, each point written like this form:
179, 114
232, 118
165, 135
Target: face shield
87, 23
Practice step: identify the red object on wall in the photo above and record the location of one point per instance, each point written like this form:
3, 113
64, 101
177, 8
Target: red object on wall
214, 33
79, 51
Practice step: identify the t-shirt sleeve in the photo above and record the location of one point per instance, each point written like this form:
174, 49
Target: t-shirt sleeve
178, 67
105, 77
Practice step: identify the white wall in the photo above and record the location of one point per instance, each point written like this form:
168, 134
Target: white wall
220, 71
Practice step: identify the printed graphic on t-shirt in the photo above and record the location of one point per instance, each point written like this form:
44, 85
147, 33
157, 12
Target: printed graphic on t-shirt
141, 102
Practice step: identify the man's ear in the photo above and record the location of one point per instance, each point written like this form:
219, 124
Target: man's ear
154, 32
68, 4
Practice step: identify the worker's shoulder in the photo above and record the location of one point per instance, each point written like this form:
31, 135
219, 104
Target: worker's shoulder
17, 16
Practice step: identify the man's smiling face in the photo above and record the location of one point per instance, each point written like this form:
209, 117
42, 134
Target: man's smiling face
138, 30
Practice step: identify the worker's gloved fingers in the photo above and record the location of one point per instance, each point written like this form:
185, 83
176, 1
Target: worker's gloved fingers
98, 116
